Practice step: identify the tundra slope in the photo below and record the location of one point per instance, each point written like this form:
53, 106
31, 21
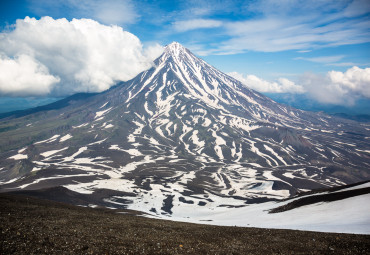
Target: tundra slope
182, 133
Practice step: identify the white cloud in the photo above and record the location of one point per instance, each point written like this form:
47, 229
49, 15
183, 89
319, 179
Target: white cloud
330, 61
186, 25
297, 25
345, 64
153, 51
116, 12
355, 79
282, 85
338, 87
85, 55
23, 75
357, 7
113, 11
323, 59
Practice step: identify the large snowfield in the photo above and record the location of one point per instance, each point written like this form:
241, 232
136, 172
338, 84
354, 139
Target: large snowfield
351, 215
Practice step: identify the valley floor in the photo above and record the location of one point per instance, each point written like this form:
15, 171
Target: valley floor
34, 226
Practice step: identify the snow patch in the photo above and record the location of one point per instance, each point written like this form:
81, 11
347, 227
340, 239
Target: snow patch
65, 138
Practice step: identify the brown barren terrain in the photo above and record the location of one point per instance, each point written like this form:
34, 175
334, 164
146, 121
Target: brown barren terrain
34, 226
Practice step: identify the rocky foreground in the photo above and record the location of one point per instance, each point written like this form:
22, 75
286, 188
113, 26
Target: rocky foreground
33, 226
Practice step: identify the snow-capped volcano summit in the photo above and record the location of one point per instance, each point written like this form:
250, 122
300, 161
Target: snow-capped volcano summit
181, 133
174, 49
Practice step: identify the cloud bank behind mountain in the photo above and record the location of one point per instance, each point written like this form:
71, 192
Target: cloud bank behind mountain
60, 57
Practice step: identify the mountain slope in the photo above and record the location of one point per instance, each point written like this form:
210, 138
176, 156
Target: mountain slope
55, 228
182, 133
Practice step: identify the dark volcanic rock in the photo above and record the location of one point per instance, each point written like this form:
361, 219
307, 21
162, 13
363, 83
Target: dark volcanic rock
32, 226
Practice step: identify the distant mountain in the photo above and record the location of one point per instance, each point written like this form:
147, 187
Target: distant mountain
179, 137
360, 117
305, 102
47, 107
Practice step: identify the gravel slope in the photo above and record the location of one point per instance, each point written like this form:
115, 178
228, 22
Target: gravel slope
34, 226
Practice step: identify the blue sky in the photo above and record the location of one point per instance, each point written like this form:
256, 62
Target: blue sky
318, 50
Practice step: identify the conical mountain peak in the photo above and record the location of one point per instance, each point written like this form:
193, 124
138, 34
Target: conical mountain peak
174, 46
181, 133
175, 49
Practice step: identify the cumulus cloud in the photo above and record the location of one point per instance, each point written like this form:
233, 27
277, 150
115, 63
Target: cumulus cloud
338, 88
153, 51
82, 54
282, 85
24, 76
186, 25
341, 88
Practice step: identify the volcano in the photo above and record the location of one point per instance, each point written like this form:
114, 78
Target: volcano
181, 134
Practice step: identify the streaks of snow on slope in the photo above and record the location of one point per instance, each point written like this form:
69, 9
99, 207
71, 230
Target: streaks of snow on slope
116, 182
71, 158
366, 151
103, 105
195, 72
255, 150
222, 119
160, 123
52, 178
156, 71
218, 141
132, 152
194, 89
101, 113
233, 150
169, 124
159, 131
239, 154
195, 119
65, 138
96, 166
153, 200
207, 122
82, 125
97, 142
51, 139
131, 138
195, 139
275, 154
164, 106
185, 130
18, 157
114, 147
21, 151
243, 124
289, 175
139, 129
241, 180
52, 152
147, 109
205, 88
9, 181
154, 141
